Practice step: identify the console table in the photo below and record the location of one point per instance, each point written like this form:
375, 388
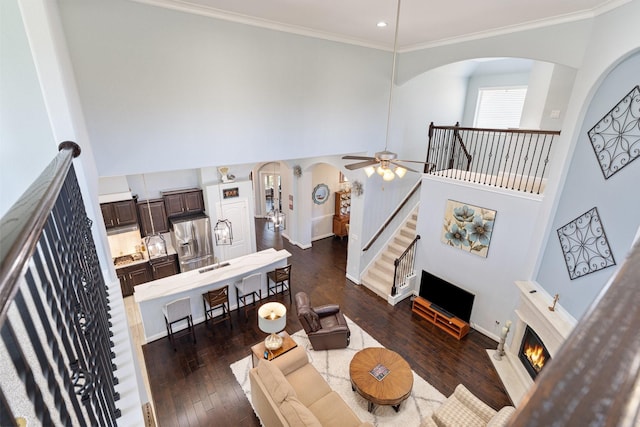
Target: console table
451, 325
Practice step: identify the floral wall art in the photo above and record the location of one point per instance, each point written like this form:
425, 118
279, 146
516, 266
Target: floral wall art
468, 227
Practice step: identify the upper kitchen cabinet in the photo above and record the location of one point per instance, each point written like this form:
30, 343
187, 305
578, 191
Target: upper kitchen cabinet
117, 214
158, 216
183, 202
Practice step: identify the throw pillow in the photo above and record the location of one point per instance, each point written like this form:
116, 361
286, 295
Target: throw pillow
274, 381
312, 319
297, 414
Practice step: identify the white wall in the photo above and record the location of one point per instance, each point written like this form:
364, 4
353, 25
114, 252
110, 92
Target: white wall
614, 37
191, 91
162, 181
615, 198
492, 278
27, 144
322, 214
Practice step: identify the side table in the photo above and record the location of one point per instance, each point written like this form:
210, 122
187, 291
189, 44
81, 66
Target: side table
257, 351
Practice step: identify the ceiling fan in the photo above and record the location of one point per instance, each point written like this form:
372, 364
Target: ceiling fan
387, 162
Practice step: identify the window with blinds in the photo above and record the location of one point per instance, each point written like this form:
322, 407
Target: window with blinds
500, 107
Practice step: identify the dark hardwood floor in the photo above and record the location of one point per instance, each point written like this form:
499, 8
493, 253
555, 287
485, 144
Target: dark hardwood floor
194, 386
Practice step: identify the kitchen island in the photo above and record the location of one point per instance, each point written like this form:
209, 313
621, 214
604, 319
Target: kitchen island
152, 296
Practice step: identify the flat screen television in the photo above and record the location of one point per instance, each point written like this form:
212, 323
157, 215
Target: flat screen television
446, 296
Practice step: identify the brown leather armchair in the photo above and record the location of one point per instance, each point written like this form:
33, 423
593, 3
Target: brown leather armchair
325, 325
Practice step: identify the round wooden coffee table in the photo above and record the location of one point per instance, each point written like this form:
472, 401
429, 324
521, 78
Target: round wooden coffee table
393, 389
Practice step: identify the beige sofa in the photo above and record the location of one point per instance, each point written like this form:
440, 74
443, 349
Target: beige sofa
462, 408
289, 391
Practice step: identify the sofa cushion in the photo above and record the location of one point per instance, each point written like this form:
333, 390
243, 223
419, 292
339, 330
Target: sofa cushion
331, 410
476, 405
452, 413
274, 381
308, 384
297, 414
502, 417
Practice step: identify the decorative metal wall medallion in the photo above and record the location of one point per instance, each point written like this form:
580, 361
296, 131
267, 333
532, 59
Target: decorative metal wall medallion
584, 245
616, 137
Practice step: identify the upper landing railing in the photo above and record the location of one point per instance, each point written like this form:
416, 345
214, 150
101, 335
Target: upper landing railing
56, 362
514, 159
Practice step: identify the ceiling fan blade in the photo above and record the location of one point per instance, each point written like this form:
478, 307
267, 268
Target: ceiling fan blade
358, 158
403, 166
359, 165
409, 161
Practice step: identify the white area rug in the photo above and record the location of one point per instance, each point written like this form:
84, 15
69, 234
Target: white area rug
334, 367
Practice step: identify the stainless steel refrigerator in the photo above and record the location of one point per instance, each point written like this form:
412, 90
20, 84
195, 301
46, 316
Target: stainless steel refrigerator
192, 240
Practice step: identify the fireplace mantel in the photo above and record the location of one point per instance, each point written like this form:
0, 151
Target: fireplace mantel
553, 328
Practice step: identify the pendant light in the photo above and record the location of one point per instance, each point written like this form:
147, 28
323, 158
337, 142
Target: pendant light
222, 230
154, 242
276, 218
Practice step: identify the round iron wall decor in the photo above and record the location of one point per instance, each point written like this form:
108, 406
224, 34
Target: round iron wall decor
320, 194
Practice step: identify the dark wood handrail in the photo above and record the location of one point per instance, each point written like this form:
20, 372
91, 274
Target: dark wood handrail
406, 251
533, 131
392, 216
21, 226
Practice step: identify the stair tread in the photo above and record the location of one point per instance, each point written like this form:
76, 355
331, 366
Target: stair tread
379, 276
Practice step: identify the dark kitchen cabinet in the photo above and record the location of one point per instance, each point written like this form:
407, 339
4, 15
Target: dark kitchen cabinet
132, 276
183, 202
117, 214
167, 267
158, 215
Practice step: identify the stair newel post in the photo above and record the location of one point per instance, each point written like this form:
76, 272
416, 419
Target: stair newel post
394, 288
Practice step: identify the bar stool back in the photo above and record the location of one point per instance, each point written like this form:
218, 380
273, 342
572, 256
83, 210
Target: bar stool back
177, 311
215, 300
281, 278
250, 286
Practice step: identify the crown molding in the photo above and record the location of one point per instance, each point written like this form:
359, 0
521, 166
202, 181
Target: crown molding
198, 9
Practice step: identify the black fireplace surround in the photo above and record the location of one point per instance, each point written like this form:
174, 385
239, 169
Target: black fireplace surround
533, 354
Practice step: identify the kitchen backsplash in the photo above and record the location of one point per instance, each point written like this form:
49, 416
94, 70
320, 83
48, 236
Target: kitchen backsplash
124, 243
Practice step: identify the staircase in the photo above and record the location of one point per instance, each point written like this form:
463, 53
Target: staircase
379, 277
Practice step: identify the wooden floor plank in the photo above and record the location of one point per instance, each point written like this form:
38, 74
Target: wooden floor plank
195, 387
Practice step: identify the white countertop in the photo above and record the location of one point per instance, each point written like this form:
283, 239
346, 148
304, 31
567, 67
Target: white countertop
194, 279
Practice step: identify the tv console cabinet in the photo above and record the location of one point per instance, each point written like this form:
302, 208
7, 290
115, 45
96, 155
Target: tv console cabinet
451, 325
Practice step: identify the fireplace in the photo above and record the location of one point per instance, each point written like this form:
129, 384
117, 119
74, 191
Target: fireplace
533, 354
549, 328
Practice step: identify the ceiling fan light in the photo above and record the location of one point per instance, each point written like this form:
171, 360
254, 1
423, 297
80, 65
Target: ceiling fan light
388, 175
380, 170
400, 171
369, 170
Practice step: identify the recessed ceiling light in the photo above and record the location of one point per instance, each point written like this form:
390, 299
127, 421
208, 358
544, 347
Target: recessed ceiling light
381, 24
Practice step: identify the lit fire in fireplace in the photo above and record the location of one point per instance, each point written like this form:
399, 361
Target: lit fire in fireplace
535, 354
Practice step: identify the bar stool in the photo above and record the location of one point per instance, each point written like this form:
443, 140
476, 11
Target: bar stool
281, 278
248, 287
215, 300
178, 311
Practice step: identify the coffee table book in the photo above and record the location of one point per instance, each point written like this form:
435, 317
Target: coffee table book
379, 371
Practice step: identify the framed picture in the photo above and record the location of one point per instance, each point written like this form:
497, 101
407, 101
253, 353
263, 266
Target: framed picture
228, 193
468, 227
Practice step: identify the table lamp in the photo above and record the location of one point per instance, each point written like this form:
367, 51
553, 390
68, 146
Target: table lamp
272, 318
